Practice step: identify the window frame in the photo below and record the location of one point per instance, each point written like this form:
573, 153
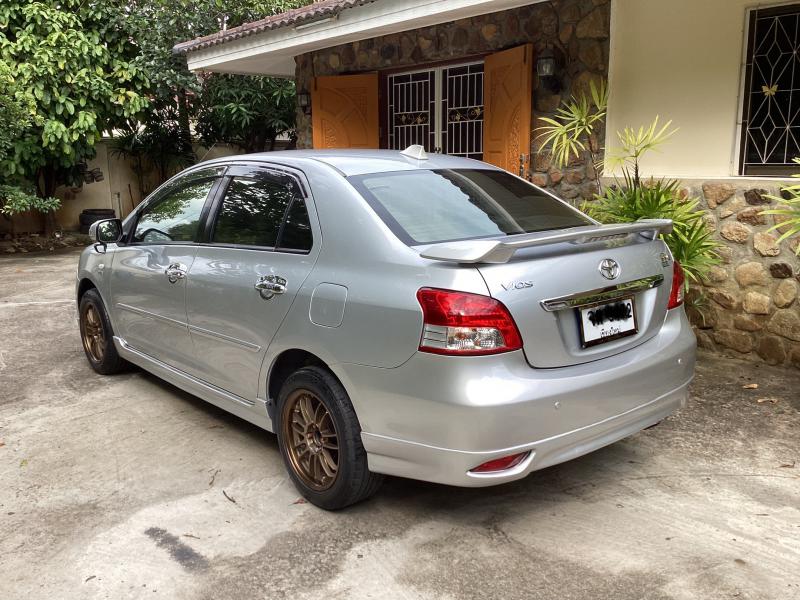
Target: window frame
255, 172
750, 43
180, 181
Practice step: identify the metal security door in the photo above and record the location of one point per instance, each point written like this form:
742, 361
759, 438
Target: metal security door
412, 110
440, 109
462, 110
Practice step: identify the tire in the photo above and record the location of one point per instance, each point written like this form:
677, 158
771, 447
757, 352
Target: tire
307, 446
97, 336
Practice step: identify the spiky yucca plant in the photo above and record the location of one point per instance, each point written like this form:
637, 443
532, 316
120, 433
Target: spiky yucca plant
632, 198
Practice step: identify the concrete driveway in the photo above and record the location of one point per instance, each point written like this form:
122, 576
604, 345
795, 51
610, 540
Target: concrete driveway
125, 487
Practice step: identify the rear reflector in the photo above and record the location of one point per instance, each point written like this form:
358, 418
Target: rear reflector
458, 323
678, 279
501, 464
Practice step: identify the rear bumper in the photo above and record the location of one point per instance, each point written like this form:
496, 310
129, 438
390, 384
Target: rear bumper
436, 417
451, 467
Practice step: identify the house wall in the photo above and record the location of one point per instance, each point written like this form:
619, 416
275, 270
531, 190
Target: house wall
118, 190
682, 60
579, 27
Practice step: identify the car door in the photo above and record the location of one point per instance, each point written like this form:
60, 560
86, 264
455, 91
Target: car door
259, 250
148, 278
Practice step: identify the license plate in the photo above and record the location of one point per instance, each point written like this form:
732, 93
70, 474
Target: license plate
607, 322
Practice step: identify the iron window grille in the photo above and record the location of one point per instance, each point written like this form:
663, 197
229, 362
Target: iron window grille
771, 119
439, 108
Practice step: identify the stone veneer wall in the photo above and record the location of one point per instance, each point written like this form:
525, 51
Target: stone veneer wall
580, 28
751, 305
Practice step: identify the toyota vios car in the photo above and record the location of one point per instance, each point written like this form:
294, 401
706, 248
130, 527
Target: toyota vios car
392, 313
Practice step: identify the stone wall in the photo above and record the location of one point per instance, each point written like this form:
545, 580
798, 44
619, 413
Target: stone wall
749, 304
579, 29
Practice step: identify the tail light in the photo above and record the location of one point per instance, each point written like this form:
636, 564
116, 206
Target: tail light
678, 279
458, 323
501, 464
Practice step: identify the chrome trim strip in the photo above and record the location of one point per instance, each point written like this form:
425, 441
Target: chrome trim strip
225, 338
147, 313
603, 294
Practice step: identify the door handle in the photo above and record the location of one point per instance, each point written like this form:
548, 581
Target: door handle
175, 271
270, 285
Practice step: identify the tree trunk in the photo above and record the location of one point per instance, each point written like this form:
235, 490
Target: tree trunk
47, 189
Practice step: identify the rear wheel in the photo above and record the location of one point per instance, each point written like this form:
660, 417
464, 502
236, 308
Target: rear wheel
320, 441
97, 335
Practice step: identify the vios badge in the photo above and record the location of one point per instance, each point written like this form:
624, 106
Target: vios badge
610, 268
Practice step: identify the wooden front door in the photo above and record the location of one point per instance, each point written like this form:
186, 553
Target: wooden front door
508, 84
344, 111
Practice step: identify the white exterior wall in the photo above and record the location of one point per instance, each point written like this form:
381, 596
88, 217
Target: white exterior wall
681, 60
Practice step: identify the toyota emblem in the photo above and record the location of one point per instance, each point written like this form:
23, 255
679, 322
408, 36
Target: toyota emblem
610, 268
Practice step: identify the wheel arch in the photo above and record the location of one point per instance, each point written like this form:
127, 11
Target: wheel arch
286, 363
84, 285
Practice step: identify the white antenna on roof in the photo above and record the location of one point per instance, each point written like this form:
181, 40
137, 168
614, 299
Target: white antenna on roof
416, 152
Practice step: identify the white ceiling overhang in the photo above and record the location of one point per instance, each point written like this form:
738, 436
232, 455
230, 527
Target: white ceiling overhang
272, 52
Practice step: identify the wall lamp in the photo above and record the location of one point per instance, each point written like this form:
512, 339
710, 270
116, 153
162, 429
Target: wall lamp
304, 101
548, 68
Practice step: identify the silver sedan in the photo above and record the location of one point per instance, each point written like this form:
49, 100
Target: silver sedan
392, 313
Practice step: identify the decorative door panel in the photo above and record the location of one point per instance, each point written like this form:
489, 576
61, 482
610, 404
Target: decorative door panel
344, 111
508, 82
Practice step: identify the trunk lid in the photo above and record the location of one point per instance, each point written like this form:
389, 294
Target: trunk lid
543, 288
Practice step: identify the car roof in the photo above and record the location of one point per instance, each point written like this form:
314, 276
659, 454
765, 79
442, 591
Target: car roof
357, 162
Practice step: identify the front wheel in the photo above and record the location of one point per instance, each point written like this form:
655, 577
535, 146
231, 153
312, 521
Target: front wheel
97, 335
320, 441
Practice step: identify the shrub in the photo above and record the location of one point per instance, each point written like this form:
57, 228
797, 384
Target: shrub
14, 199
690, 242
632, 198
790, 210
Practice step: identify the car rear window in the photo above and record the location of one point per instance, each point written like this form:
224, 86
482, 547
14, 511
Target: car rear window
443, 205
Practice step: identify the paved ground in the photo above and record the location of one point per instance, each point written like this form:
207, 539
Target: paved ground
125, 487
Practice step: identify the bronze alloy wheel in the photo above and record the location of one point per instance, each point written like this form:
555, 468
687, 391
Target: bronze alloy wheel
311, 439
93, 337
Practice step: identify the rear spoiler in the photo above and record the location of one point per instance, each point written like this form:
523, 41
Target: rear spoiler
501, 251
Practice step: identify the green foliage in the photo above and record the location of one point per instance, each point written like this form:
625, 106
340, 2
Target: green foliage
241, 110
691, 240
14, 200
249, 112
572, 131
17, 109
630, 199
635, 143
75, 58
790, 211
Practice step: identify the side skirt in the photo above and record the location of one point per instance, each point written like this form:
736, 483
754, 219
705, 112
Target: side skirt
254, 412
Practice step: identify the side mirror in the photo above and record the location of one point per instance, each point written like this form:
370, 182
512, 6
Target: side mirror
108, 231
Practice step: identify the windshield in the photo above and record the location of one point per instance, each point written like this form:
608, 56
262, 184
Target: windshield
443, 205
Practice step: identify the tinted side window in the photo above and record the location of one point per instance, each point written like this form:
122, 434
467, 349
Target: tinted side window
296, 234
252, 211
174, 217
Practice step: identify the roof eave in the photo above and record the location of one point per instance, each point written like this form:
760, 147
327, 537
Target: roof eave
272, 52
